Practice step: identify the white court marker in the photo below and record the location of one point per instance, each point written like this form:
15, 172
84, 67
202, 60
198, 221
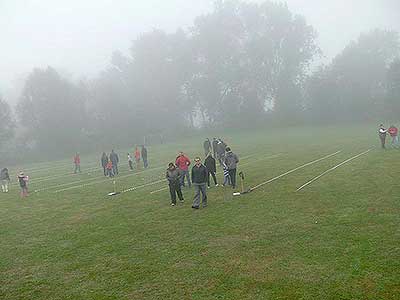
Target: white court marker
332, 169
294, 170
250, 162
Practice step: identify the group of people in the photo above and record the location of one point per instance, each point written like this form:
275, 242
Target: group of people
393, 131
22, 180
110, 162
178, 172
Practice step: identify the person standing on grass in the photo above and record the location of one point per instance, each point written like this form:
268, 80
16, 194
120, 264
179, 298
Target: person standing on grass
137, 157
231, 161
207, 147
227, 179
144, 157
215, 146
23, 183
183, 163
382, 135
114, 160
221, 152
5, 180
77, 163
104, 161
199, 179
174, 181
110, 169
393, 131
130, 162
211, 169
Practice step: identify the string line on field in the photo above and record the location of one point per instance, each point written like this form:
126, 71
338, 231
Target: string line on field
241, 165
332, 169
294, 170
90, 181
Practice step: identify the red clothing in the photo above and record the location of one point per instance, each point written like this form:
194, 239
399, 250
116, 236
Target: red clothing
77, 160
109, 165
182, 162
393, 131
137, 155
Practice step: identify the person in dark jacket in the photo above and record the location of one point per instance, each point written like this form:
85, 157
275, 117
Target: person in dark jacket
221, 152
144, 157
231, 161
115, 160
382, 135
104, 161
211, 169
5, 180
207, 147
215, 146
174, 181
23, 183
199, 179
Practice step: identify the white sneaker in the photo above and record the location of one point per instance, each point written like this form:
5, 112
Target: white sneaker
172, 204
217, 184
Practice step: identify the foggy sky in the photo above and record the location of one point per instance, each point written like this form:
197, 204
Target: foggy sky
78, 36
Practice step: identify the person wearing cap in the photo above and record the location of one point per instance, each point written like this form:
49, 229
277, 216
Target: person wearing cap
183, 163
199, 180
231, 160
23, 183
173, 176
382, 135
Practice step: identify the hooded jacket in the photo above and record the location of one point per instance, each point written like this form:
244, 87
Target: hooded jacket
210, 164
231, 160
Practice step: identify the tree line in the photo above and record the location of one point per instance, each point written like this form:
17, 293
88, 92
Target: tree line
243, 64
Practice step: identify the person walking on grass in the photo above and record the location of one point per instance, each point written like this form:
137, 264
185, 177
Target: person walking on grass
137, 157
211, 169
174, 182
23, 183
114, 160
231, 161
183, 163
77, 163
110, 169
393, 131
199, 179
215, 146
227, 179
144, 157
207, 147
130, 162
104, 161
5, 180
382, 135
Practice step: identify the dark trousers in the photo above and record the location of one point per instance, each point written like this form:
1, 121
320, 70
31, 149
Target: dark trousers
115, 169
105, 170
213, 176
175, 189
383, 141
130, 164
145, 163
232, 175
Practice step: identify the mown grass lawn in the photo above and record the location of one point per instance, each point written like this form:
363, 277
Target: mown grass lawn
336, 239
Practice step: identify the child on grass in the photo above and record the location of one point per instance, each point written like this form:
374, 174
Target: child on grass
23, 183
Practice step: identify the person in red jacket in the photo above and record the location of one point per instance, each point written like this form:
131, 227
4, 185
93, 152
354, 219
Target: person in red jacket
137, 157
183, 163
394, 133
77, 162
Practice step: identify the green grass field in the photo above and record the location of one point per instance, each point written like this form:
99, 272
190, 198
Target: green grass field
336, 239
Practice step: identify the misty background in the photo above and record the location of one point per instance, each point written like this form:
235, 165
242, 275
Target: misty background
114, 71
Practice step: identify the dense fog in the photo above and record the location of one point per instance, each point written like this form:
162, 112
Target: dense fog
230, 64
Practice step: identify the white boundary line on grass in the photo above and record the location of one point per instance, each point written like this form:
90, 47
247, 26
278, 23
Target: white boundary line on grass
91, 182
294, 170
250, 162
332, 169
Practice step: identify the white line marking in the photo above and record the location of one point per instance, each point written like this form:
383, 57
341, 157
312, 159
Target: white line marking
293, 170
241, 165
332, 169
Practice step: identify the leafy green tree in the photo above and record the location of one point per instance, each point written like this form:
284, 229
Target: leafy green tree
7, 125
